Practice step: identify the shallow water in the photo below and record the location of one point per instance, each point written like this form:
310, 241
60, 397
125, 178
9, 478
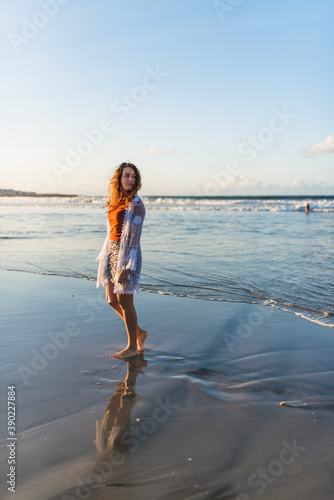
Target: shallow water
80, 408
264, 250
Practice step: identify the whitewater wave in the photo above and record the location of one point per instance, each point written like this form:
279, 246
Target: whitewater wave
193, 203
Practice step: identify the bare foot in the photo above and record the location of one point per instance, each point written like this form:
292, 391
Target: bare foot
141, 337
126, 353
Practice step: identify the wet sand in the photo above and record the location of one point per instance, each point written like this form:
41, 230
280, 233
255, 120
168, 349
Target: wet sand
198, 416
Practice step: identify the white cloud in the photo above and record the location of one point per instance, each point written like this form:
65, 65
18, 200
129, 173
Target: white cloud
301, 184
217, 185
151, 151
170, 150
322, 148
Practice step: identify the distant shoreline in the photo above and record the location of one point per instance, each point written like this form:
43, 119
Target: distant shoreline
12, 192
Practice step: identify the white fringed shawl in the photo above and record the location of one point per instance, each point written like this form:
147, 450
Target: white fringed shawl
128, 252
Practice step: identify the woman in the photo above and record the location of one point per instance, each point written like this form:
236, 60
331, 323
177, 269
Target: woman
113, 431
120, 257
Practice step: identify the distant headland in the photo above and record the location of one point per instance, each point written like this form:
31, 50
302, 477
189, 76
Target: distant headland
13, 192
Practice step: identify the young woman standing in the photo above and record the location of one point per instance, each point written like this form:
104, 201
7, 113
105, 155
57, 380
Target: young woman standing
120, 257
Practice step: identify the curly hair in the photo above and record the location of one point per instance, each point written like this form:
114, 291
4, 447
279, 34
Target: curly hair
114, 192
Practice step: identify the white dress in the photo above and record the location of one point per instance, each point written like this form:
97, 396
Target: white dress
128, 252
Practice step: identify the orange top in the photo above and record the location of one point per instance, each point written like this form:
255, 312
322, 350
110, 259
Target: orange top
116, 219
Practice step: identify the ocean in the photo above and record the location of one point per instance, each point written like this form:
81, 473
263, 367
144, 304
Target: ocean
262, 250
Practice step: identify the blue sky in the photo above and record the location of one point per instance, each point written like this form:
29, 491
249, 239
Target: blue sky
205, 97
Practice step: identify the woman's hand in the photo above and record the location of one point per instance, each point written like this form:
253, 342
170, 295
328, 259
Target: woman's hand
123, 276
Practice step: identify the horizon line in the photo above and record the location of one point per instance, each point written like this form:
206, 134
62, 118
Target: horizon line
18, 192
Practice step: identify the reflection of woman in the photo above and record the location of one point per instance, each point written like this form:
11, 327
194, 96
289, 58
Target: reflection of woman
112, 431
120, 257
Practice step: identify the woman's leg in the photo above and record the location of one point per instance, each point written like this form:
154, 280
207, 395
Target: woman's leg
113, 300
130, 320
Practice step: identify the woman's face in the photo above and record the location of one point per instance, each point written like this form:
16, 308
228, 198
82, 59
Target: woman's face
128, 179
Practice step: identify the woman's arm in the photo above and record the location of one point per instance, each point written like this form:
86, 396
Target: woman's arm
136, 225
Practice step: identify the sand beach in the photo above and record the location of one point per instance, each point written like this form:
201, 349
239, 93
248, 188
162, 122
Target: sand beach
198, 416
